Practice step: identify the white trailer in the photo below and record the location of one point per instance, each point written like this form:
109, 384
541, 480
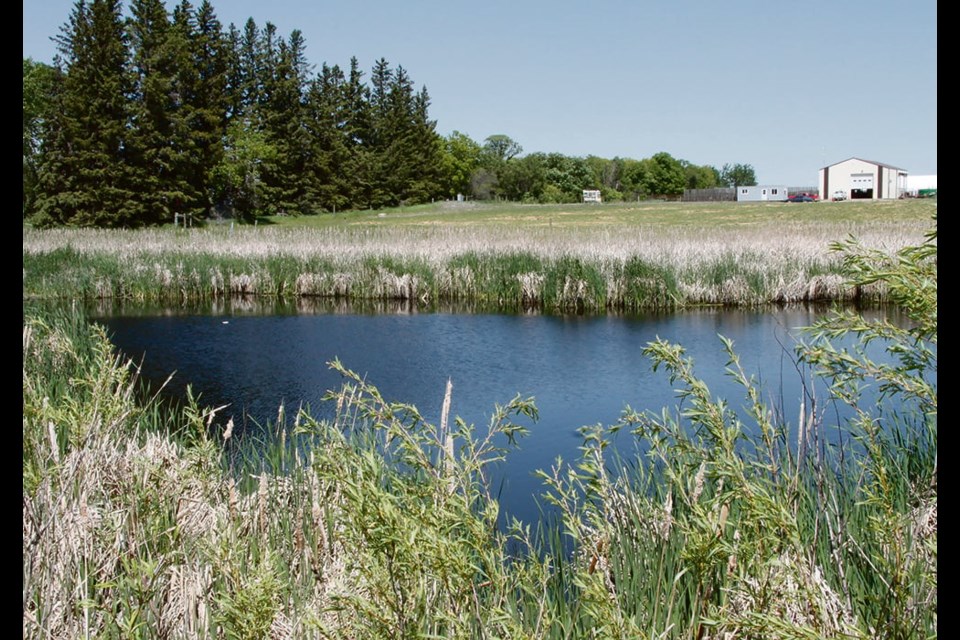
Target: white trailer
762, 193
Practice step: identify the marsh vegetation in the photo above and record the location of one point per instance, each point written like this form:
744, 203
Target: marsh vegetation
135, 523
608, 257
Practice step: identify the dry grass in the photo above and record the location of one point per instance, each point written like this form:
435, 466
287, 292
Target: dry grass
715, 261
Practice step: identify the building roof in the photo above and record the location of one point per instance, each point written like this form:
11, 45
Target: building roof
879, 164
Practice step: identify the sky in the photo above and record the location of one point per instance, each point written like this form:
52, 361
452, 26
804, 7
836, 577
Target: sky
786, 87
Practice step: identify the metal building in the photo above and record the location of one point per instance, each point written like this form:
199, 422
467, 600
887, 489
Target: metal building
863, 180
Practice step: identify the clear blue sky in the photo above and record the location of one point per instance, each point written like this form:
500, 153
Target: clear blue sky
784, 86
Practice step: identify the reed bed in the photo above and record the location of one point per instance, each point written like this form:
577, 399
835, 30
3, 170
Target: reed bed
593, 267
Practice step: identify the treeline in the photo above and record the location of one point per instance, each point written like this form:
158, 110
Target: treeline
156, 113
497, 170
161, 113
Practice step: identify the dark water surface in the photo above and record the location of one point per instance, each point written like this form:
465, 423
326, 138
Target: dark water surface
581, 370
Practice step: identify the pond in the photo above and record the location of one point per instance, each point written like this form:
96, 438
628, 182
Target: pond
581, 370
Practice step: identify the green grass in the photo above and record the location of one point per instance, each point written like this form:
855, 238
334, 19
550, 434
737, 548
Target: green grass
707, 214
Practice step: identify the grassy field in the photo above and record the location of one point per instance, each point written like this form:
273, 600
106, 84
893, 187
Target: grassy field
573, 257
656, 213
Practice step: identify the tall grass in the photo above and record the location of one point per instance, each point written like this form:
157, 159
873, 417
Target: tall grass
739, 524
597, 266
137, 522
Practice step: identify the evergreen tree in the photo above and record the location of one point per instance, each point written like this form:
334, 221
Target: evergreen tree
184, 91
407, 151
396, 161
238, 182
209, 103
357, 173
234, 73
427, 152
156, 148
164, 113
267, 61
248, 79
86, 176
375, 161
328, 117
285, 118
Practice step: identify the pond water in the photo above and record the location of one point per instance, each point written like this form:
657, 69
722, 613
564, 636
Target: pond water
581, 370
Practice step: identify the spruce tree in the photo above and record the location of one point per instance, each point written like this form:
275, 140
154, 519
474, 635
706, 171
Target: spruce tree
164, 114
248, 78
157, 142
87, 178
410, 150
427, 149
397, 144
377, 190
208, 124
328, 118
285, 119
357, 174
234, 73
200, 88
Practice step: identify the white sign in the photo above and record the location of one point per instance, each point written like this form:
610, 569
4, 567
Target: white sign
591, 196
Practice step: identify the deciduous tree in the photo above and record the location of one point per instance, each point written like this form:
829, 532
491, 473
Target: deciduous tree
500, 148
461, 157
737, 175
38, 88
700, 177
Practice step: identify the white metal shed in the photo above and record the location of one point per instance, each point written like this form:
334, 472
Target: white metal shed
863, 180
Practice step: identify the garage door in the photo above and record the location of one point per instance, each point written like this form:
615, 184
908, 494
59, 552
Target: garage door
861, 185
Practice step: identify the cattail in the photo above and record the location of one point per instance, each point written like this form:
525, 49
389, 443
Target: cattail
801, 422
720, 513
298, 539
228, 431
667, 516
724, 512
448, 463
54, 447
698, 483
315, 510
262, 502
337, 414
232, 498
732, 560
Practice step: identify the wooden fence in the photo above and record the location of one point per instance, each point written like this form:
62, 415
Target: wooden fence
724, 194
